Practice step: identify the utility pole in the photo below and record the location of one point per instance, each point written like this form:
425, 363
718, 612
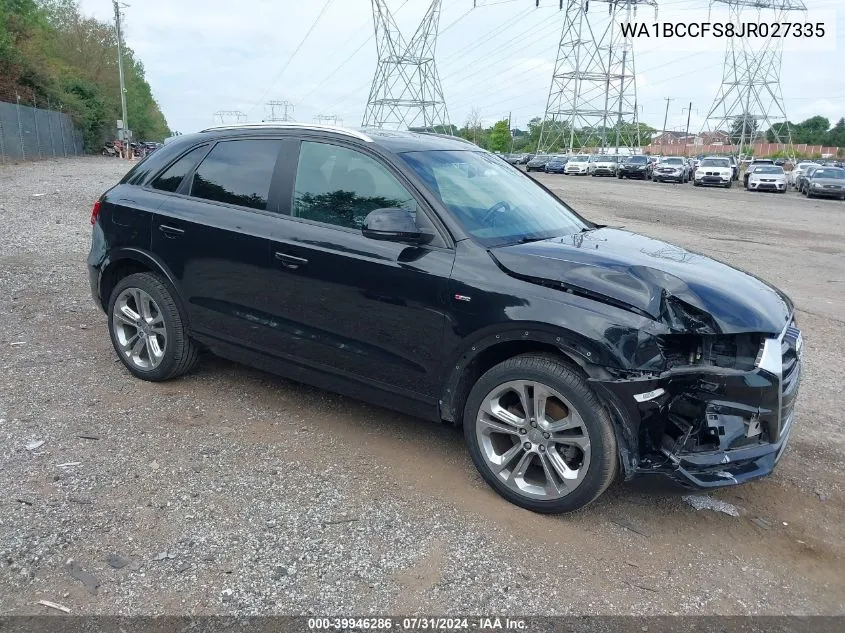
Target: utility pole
665, 119
686, 134
122, 86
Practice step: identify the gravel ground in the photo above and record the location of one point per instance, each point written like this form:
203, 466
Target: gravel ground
234, 491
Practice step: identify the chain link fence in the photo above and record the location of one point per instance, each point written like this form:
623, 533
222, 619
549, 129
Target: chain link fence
28, 133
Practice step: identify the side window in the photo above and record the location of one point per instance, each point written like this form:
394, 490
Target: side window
238, 172
341, 186
172, 177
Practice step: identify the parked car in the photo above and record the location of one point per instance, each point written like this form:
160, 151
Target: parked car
524, 158
557, 164
767, 178
826, 182
798, 171
671, 168
605, 165
511, 159
754, 164
449, 286
538, 163
715, 170
638, 166
578, 165
802, 180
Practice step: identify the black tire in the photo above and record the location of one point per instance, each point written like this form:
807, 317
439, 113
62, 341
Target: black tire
180, 352
696, 184
549, 370
730, 184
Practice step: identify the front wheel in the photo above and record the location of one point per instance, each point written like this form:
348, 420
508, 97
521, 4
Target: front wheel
730, 184
539, 435
147, 329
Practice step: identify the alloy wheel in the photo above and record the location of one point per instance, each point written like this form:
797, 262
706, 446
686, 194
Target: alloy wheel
533, 439
138, 326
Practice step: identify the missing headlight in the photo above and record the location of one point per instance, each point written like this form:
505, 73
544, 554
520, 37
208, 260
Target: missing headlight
736, 351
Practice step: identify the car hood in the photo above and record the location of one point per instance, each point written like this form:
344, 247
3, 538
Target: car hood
686, 291
829, 181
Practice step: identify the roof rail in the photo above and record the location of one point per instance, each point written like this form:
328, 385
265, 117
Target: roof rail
288, 125
452, 137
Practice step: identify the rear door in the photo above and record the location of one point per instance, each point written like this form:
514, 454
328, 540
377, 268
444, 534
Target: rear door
212, 232
351, 305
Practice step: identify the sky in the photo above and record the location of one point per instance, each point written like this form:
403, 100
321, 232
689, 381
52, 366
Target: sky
497, 59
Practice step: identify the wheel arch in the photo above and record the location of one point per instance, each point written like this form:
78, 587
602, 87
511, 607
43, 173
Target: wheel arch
123, 262
477, 355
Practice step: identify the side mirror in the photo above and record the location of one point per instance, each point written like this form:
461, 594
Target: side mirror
393, 225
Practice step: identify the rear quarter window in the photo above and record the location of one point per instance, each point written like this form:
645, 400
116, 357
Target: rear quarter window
171, 178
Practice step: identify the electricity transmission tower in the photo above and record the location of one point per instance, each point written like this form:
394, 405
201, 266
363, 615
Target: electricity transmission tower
406, 89
279, 111
593, 95
225, 117
750, 98
328, 119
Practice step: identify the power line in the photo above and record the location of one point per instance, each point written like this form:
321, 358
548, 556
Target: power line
272, 84
346, 61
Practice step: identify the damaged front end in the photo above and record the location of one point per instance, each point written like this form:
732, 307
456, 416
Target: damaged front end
719, 412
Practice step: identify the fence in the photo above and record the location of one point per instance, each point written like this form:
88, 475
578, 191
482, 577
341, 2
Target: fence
759, 150
28, 133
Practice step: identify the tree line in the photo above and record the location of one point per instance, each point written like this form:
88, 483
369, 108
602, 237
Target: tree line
53, 56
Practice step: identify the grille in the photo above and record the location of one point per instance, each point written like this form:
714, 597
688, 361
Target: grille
791, 370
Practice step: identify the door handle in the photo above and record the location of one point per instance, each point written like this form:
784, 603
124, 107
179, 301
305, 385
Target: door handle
171, 231
291, 261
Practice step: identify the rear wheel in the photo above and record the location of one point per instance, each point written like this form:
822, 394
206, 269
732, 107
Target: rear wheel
539, 435
147, 329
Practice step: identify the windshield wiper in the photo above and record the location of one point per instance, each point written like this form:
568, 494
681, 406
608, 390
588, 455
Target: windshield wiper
525, 239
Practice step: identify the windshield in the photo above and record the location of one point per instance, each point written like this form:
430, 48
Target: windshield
638, 159
829, 172
673, 161
715, 162
607, 159
494, 203
768, 169
581, 158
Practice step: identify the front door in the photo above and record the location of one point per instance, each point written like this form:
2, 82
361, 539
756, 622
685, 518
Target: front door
359, 307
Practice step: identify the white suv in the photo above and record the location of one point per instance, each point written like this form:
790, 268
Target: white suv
714, 171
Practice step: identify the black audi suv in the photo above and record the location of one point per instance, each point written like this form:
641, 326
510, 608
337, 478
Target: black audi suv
421, 273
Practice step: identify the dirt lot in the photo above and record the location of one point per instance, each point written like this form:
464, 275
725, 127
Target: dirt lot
233, 491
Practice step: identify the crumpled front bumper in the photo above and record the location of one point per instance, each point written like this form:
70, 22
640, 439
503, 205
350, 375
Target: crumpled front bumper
708, 428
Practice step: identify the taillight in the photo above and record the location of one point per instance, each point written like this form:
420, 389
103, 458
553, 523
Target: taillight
95, 213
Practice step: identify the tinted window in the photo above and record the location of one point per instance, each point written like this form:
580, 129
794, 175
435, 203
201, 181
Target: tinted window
674, 161
638, 159
715, 162
768, 169
237, 172
172, 177
341, 186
